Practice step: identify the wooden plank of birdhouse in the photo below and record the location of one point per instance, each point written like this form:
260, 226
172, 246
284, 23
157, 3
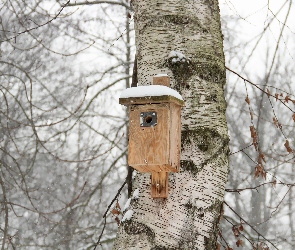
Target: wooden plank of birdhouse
149, 146
161, 80
159, 186
150, 100
155, 168
175, 136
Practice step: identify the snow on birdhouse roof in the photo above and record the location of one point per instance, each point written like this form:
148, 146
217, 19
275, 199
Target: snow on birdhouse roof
151, 90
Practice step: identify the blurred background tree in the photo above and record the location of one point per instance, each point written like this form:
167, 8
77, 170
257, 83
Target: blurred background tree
62, 146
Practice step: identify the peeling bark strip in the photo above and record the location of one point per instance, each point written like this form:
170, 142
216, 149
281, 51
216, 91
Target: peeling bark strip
189, 218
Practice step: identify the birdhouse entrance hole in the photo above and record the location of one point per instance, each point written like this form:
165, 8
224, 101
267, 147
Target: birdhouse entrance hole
148, 119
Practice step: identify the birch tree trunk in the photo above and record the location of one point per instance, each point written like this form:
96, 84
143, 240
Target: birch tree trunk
189, 217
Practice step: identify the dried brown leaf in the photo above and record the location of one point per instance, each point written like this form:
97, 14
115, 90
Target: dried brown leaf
118, 221
280, 125
254, 137
259, 171
268, 93
287, 145
118, 206
239, 243
235, 231
275, 121
115, 211
247, 100
252, 130
293, 116
261, 156
274, 183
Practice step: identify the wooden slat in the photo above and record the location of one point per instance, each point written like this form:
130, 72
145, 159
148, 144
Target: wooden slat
155, 149
150, 100
154, 168
159, 185
149, 146
175, 136
161, 80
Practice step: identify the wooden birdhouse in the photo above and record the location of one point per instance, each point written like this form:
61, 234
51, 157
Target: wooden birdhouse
154, 131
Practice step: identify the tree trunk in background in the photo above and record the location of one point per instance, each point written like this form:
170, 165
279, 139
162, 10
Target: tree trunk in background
189, 218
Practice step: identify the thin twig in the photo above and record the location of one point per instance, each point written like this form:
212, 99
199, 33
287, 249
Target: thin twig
105, 214
256, 86
39, 26
249, 225
98, 2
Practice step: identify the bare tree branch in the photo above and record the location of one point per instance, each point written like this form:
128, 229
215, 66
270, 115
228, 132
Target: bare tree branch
99, 2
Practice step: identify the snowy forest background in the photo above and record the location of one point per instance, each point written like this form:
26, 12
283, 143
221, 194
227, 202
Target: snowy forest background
63, 134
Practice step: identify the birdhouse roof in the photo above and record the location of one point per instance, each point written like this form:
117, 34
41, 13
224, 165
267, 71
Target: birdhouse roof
150, 94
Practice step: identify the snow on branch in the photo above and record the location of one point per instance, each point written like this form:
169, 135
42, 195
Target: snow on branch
177, 56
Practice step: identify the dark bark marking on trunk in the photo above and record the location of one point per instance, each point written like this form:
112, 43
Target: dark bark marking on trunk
209, 141
206, 70
189, 166
212, 240
129, 180
181, 70
134, 74
205, 138
130, 169
133, 227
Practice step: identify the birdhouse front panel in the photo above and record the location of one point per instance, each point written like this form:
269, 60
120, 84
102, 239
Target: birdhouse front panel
175, 136
149, 144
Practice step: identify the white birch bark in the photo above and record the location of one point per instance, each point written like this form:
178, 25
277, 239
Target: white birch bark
189, 218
